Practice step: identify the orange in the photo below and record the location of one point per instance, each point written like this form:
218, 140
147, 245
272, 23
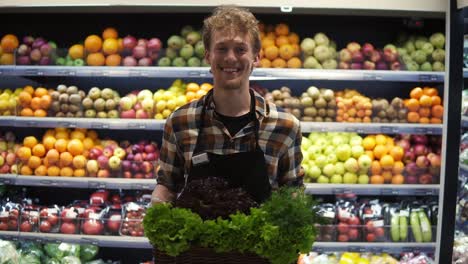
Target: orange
62, 135
26, 112
206, 86
79, 173
398, 167
377, 179
9, 43
424, 111
282, 29
398, 179
49, 142
61, 145
297, 49
110, 46
36, 103
25, 170
380, 139
39, 150
75, 147
52, 156
40, 113
380, 151
397, 153
49, 133
53, 171
88, 143
24, 98
425, 101
190, 96
294, 62
436, 100
41, 171
278, 63
121, 47
65, 159
293, 38
370, 153
366, 119
76, 134
66, 172
387, 161
96, 59
265, 63
76, 51
110, 32
271, 52
7, 59
24, 153
424, 120
34, 162
435, 120
430, 91
376, 169
29, 89
413, 117
437, 111
412, 105
45, 101
40, 91
267, 42
79, 162
192, 87
281, 40
368, 143
29, 141
286, 51
387, 175
416, 93
113, 60
93, 43
200, 93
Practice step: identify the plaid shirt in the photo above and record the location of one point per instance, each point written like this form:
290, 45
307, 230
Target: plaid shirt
279, 138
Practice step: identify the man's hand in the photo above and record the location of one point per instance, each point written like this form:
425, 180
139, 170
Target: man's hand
162, 194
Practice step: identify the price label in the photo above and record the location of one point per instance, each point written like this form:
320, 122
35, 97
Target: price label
259, 73
389, 192
350, 129
99, 125
66, 124
97, 184
194, 73
31, 123
7, 181
378, 223
329, 214
369, 77
404, 213
141, 186
354, 249
423, 192
420, 130
136, 126
389, 130
429, 78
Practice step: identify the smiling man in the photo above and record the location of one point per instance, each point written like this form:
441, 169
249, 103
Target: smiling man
232, 132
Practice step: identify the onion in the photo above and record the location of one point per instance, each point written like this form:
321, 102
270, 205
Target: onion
23, 60
139, 52
356, 66
381, 66
145, 62
142, 42
129, 42
23, 50
154, 44
44, 61
28, 40
38, 42
129, 61
404, 143
419, 139
46, 49
420, 149
35, 55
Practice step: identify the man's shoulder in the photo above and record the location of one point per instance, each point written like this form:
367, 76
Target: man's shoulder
185, 116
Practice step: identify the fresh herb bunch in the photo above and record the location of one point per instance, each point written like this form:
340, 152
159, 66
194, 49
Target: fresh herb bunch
278, 230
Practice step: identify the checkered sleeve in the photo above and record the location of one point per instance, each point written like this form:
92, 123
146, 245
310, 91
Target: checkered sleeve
171, 161
289, 164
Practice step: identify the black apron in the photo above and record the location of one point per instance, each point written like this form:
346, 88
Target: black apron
247, 170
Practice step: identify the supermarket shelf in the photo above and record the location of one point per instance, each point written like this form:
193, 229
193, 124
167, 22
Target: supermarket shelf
372, 128
374, 189
142, 242
78, 182
465, 71
93, 123
203, 72
151, 124
374, 247
464, 121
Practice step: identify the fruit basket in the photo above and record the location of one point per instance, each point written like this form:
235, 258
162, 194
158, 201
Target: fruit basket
273, 232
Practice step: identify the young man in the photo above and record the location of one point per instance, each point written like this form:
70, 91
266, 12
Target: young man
232, 132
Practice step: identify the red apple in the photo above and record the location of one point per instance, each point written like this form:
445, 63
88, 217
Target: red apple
104, 173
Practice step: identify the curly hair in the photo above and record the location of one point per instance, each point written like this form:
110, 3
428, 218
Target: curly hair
237, 19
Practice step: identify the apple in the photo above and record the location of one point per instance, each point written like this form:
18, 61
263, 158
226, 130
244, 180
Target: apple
138, 175
353, 47
321, 161
14, 169
336, 179
127, 174
94, 153
314, 172
146, 166
354, 221
425, 178
422, 162
131, 114
329, 170
103, 173
149, 175
152, 156
322, 179
92, 166
355, 141
339, 168
103, 162
363, 179
329, 150
5, 169
2, 160
108, 152
349, 178
120, 153
357, 151
314, 151
343, 152
370, 237
114, 162
364, 162
331, 158
10, 158
141, 114
351, 165
126, 165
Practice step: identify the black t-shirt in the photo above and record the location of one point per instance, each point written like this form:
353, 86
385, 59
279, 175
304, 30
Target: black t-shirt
234, 123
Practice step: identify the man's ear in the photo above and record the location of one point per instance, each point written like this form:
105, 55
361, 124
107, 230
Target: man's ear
207, 56
256, 61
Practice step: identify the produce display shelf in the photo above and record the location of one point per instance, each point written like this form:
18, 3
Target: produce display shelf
374, 189
376, 247
203, 72
464, 121
463, 168
465, 72
78, 182
151, 124
143, 242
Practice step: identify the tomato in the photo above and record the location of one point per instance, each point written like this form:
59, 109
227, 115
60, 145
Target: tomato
113, 224
45, 226
3, 226
53, 219
68, 228
26, 227
92, 227
13, 224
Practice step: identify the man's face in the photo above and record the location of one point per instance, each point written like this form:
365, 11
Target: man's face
231, 58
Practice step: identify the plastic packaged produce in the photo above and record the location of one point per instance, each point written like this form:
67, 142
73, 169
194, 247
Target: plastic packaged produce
133, 215
372, 218
8, 252
326, 230
412, 258
9, 216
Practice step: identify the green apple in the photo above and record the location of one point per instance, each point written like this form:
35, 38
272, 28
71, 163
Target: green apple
350, 178
314, 151
364, 162
357, 151
363, 179
339, 168
305, 156
362, 171
329, 149
321, 160
343, 152
305, 143
322, 142
338, 140
311, 163
329, 170
323, 179
351, 165
331, 158
355, 141
314, 172
336, 178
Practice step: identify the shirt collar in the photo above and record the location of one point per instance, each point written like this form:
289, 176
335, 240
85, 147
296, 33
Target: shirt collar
261, 106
